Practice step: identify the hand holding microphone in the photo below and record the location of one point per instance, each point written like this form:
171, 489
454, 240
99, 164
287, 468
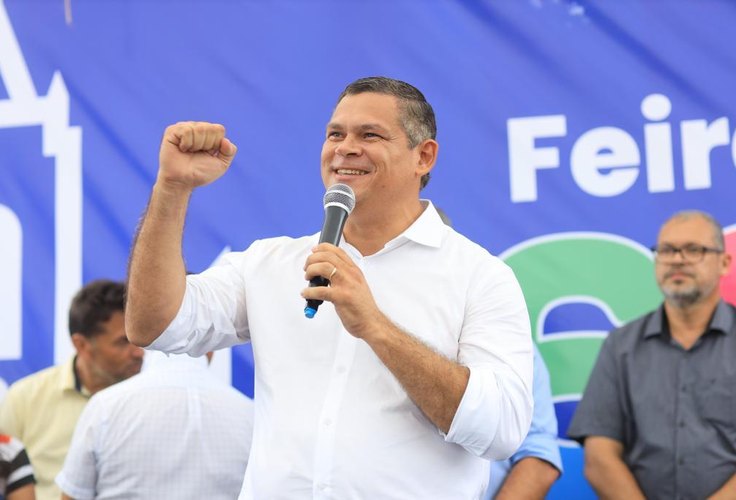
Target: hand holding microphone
339, 201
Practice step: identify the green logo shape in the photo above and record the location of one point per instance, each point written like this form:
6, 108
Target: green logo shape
606, 270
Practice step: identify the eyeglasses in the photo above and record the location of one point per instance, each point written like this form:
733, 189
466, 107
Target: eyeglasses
689, 253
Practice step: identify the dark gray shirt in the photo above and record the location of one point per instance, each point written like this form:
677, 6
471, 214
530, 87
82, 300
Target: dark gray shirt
673, 410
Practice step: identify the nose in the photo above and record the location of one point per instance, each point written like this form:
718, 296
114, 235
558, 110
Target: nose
348, 147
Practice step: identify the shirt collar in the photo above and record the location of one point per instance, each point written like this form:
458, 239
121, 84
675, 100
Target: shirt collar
427, 230
70, 381
69, 378
721, 321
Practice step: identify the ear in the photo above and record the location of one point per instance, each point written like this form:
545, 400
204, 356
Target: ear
80, 342
427, 151
725, 263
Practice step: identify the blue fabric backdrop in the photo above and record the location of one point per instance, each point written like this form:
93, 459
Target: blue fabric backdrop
569, 131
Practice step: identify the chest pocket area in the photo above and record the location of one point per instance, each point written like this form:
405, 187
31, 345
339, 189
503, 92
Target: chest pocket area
716, 400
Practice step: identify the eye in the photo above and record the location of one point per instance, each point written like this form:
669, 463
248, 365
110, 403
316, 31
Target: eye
693, 249
334, 134
371, 135
694, 252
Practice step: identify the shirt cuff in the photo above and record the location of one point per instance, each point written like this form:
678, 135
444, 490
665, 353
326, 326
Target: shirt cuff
474, 426
73, 491
545, 448
169, 341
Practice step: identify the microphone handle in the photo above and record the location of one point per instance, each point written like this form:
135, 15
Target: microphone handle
313, 304
335, 218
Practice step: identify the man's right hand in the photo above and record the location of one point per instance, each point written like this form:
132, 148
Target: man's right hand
193, 154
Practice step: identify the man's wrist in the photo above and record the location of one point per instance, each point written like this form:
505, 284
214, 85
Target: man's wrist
171, 190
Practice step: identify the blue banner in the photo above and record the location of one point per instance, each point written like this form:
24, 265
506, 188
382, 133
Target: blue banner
569, 131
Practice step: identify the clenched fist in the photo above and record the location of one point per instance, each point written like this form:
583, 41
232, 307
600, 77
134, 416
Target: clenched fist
194, 154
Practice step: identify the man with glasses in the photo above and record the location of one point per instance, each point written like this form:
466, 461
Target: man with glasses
658, 417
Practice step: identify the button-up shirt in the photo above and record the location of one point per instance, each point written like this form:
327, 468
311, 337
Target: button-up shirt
673, 409
331, 420
174, 431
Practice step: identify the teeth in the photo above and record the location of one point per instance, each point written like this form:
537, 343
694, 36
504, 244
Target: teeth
345, 171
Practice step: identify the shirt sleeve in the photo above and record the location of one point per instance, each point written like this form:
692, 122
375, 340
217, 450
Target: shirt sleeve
495, 344
541, 442
21, 471
599, 412
78, 476
213, 313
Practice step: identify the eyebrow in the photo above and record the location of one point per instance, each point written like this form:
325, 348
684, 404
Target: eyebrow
361, 128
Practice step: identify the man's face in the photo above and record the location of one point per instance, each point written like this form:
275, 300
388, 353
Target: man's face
109, 355
366, 148
685, 282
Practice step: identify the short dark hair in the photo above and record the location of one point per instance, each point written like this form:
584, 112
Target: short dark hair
416, 115
95, 304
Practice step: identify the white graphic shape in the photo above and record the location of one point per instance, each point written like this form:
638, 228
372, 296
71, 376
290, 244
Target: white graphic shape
11, 260
24, 108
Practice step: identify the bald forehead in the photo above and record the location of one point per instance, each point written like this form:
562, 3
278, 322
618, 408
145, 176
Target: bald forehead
693, 227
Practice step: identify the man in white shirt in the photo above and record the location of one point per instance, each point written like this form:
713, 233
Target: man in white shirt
417, 369
172, 432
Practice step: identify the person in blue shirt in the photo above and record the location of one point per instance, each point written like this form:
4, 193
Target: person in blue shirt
530, 472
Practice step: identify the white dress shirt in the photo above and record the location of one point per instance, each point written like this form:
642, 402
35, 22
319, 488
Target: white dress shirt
331, 421
172, 432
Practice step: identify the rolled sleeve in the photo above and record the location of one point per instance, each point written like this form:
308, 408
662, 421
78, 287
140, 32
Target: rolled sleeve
212, 314
496, 409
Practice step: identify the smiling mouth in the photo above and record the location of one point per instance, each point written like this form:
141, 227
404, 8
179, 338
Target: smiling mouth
349, 171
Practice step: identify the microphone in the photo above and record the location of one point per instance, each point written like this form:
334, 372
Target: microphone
338, 201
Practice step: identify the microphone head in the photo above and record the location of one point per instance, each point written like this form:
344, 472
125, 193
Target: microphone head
340, 195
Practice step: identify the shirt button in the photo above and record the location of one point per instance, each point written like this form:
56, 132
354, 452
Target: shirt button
683, 388
682, 424
322, 486
327, 422
340, 370
681, 461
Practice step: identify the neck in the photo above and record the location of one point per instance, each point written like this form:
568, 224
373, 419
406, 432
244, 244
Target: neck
87, 377
687, 323
369, 230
